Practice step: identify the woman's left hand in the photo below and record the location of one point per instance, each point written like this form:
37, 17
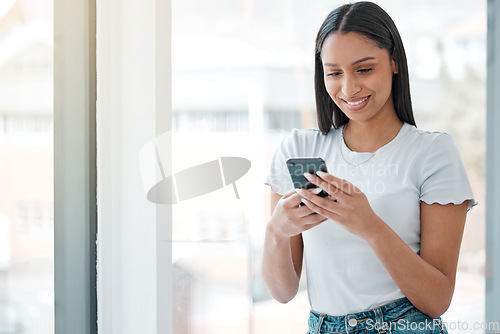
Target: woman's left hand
346, 204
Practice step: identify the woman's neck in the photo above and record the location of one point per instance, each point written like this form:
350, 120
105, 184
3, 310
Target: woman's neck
369, 136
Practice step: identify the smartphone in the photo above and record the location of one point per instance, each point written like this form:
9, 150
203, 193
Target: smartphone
298, 166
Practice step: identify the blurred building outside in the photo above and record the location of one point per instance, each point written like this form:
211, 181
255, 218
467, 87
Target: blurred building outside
26, 172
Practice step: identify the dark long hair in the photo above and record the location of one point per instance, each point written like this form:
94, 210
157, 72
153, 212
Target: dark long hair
369, 20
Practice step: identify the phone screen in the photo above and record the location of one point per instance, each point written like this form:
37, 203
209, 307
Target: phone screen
298, 166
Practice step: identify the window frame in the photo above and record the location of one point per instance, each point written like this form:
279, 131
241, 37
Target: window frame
75, 206
492, 307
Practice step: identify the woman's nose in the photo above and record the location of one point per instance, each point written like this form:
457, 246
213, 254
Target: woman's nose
350, 86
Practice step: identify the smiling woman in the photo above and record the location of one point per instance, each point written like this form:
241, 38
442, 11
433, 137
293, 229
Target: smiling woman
358, 77
388, 251
372, 36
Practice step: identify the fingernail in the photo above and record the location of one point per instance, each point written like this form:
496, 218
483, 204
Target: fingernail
316, 191
320, 173
307, 175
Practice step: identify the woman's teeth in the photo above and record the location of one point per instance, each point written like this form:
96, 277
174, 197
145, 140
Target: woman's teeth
357, 102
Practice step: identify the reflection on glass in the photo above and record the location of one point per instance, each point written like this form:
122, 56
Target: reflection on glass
26, 171
242, 79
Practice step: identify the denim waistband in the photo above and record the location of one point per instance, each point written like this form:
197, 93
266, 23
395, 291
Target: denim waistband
388, 313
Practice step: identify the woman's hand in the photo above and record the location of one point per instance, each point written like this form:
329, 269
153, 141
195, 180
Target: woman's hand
346, 205
290, 218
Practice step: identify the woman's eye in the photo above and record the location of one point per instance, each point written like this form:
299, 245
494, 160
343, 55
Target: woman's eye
364, 70
333, 74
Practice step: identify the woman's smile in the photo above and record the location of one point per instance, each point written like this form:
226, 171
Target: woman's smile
358, 104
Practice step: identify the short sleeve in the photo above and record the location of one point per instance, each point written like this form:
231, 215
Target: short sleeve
444, 178
277, 176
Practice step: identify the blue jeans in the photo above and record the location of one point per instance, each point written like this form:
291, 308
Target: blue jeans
397, 317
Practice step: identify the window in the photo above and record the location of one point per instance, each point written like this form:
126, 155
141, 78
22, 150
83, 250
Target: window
26, 168
257, 58
210, 86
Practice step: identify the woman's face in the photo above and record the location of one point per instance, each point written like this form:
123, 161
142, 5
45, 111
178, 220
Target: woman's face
358, 75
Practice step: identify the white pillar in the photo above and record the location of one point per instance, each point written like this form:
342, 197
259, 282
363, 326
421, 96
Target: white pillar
133, 107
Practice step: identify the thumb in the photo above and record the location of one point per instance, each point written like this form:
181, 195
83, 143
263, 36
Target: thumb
288, 194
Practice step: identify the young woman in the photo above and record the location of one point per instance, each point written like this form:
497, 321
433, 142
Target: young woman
381, 250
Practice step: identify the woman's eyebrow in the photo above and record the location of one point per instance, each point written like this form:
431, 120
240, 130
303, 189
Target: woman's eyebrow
356, 62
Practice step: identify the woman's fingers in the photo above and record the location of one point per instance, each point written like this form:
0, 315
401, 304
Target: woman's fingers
341, 184
303, 210
320, 210
297, 213
331, 189
321, 205
311, 220
293, 201
288, 194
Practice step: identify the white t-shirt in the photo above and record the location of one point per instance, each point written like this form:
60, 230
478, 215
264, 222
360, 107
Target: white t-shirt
343, 274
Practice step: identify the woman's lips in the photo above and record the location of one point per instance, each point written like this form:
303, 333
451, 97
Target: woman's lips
358, 104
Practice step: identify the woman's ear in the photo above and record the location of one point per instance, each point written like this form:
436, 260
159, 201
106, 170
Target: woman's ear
394, 62
394, 67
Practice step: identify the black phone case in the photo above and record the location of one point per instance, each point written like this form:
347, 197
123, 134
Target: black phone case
298, 166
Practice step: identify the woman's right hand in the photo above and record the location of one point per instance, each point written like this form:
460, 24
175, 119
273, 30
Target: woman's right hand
283, 245
290, 218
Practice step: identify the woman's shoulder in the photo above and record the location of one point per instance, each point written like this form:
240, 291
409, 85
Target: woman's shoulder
312, 133
301, 141
308, 138
424, 139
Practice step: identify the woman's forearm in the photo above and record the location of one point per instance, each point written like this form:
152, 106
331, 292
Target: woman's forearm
429, 289
278, 269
